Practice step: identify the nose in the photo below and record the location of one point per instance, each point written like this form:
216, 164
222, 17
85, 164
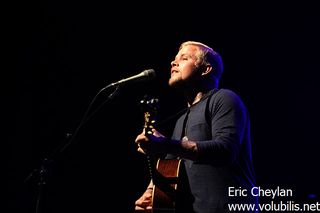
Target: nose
174, 64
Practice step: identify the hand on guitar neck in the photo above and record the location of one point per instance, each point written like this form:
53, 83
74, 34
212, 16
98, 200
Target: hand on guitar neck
151, 143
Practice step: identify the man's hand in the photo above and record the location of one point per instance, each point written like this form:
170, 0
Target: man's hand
144, 202
153, 144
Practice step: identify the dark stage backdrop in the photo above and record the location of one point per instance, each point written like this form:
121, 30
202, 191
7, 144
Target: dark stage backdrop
63, 52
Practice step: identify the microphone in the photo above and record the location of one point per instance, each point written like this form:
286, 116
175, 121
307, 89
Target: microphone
143, 76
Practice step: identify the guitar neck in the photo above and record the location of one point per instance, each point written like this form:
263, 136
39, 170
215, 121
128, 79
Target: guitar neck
151, 166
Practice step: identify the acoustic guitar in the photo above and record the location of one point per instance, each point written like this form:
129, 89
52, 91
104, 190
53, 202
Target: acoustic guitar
167, 174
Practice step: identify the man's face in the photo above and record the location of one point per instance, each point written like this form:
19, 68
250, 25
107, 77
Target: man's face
184, 67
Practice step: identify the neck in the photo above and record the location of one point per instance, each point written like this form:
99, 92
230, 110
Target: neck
194, 96
194, 92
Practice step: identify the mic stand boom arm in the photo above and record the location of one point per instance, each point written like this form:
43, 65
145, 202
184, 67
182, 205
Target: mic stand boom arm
43, 169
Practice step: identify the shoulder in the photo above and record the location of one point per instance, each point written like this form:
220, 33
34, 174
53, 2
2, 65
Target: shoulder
226, 94
226, 97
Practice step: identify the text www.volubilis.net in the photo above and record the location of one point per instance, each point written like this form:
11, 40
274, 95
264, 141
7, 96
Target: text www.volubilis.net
272, 206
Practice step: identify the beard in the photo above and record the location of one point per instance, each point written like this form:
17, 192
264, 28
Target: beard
188, 84
175, 82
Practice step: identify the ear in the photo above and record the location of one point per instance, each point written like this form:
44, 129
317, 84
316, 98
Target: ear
206, 70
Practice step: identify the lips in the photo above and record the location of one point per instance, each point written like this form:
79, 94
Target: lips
174, 71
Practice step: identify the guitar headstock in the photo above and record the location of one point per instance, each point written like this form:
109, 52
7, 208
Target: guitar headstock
149, 106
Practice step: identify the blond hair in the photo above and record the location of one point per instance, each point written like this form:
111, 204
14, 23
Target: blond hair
206, 56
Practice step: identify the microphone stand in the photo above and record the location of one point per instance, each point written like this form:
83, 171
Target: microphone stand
43, 169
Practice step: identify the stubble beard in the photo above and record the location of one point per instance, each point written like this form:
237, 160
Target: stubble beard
175, 82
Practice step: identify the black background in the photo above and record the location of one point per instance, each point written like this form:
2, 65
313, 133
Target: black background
61, 53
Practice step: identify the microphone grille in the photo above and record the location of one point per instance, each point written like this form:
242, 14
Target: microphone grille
150, 73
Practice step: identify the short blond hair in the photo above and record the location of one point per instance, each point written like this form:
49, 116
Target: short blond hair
207, 55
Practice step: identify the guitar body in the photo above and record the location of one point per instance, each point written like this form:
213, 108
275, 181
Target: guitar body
166, 185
